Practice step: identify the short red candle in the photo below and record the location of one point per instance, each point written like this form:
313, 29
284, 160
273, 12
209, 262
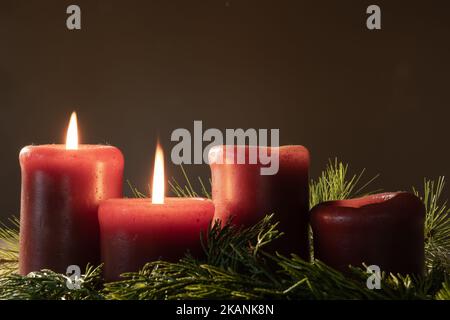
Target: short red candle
385, 229
242, 192
61, 191
135, 231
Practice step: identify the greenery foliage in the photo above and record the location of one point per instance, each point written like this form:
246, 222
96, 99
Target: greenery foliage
49, 285
437, 223
334, 184
9, 246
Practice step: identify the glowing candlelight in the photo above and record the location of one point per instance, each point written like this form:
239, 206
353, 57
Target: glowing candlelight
72, 133
158, 177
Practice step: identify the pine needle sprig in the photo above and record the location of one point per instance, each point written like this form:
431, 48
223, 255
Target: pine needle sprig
225, 245
9, 246
49, 285
444, 293
188, 191
187, 279
334, 184
135, 191
437, 223
318, 281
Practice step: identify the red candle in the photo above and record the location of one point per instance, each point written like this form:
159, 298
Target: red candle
137, 231
62, 186
241, 191
384, 229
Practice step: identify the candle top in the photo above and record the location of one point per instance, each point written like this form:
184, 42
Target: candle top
147, 202
51, 152
58, 146
363, 201
143, 207
227, 153
387, 203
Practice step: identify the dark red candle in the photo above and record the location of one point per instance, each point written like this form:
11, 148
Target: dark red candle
137, 231
241, 191
384, 229
62, 186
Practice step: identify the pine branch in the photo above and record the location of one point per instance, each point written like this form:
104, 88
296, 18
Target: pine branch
226, 245
318, 281
334, 184
49, 285
187, 190
9, 246
444, 293
437, 223
136, 193
188, 279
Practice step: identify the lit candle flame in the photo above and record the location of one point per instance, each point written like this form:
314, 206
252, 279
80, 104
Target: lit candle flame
158, 177
72, 133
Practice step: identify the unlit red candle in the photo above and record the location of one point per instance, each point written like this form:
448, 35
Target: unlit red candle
386, 230
241, 192
62, 186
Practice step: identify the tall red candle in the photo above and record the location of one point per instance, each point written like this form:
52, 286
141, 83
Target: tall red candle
62, 186
137, 231
385, 229
241, 191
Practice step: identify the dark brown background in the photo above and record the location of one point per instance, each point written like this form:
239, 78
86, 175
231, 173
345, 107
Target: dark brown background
376, 99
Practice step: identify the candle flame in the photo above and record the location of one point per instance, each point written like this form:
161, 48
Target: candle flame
158, 177
72, 133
